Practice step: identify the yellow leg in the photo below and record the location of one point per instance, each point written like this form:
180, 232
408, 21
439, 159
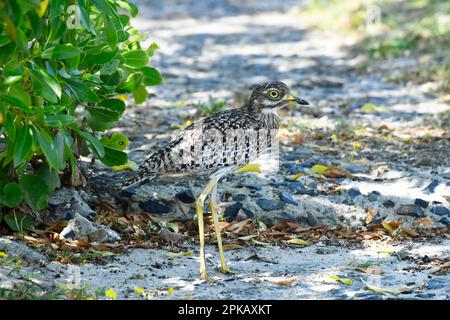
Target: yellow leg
214, 212
201, 232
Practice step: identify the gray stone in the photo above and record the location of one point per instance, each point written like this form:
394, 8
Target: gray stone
15, 248
432, 186
185, 196
389, 204
410, 210
421, 203
373, 196
67, 202
353, 192
445, 221
79, 227
440, 211
232, 211
287, 197
269, 205
153, 206
354, 168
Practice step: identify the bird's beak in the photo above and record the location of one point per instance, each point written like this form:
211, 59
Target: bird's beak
297, 101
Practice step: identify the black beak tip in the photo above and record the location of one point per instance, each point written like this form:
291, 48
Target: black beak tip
302, 102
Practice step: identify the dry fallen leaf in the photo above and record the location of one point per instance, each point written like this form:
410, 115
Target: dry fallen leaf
231, 246
172, 255
370, 215
426, 222
371, 270
286, 282
442, 269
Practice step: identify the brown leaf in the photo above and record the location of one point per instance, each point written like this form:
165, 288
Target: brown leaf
286, 282
425, 222
231, 246
336, 172
371, 270
443, 269
238, 226
370, 215
410, 232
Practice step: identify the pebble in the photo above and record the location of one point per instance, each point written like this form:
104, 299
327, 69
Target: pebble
152, 206
432, 186
299, 188
269, 205
231, 211
410, 210
240, 197
389, 204
440, 211
287, 197
421, 203
445, 221
354, 168
353, 192
67, 202
128, 192
250, 186
79, 226
373, 196
249, 213
185, 196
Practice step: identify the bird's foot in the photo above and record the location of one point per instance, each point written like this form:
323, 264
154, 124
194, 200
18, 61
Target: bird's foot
227, 270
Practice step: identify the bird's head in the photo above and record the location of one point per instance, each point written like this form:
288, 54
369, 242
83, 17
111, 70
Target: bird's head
272, 96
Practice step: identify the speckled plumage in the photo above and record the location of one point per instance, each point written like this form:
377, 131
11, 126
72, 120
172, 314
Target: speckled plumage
221, 143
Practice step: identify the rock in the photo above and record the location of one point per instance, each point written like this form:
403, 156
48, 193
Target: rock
353, 168
240, 197
287, 197
440, 211
410, 210
421, 203
185, 196
153, 206
389, 204
14, 248
445, 221
432, 186
312, 220
269, 205
249, 213
79, 227
67, 202
128, 192
231, 211
373, 196
170, 237
299, 188
353, 192
446, 175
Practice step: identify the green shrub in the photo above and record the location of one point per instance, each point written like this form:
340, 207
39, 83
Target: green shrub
65, 68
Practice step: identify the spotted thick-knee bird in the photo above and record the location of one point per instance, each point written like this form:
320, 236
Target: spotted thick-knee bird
217, 145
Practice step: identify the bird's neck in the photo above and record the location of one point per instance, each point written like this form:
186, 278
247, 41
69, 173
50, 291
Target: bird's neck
270, 120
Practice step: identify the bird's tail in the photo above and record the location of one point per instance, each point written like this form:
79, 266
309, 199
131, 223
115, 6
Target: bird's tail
136, 180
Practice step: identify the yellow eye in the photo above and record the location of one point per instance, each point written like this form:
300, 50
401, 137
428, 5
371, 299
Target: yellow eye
273, 94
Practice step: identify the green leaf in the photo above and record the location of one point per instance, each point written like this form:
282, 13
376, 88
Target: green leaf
46, 86
116, 141
136, 58
128, 6
84, 15
114, 157
61, 51
133, 81
346, 281
110, 31
11, 195
23, 144
96, 145
50, 177
47, 146
59, 120
19, 222
152, 77
16, 102
35, 191
82, 91
140, 94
